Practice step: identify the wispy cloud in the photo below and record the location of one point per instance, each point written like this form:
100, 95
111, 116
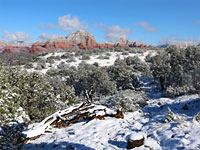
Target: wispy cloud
17, 36
1, 28
66, 22
114, 33
47, 26
198, 22
70, 23
174, 40
146, 26
99, 25
46, 36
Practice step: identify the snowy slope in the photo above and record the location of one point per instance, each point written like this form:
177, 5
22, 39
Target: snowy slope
93, 59
151, 121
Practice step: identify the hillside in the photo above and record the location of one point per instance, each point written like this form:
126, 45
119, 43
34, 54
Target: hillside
100, 99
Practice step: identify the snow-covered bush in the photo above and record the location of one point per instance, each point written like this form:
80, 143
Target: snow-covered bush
148, 58
85, 57
54, 58
64, 93
138, 65
119, 49
31, 91
51, 61
62, 66
102, 57
178, 68
174, 91
41, 65
36, 96
52, 72
171, 116
28, 66
90, 76
71, 59
11, 111
67, 55
14, 59
124, 75
127, 100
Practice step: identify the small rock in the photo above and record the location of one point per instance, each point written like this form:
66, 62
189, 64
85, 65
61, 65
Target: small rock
135, 140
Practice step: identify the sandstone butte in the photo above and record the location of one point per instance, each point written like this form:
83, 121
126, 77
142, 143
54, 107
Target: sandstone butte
80, 39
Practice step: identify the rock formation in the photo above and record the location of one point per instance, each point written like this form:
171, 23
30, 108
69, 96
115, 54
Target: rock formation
13, 49
80, 39
123, 42
3, 43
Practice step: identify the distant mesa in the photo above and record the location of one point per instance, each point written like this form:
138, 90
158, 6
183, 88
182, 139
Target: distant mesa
12, 47
179, 44
3, 43
80, 39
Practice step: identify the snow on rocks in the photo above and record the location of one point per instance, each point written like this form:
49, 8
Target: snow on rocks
135, 140
69, 116
142, 140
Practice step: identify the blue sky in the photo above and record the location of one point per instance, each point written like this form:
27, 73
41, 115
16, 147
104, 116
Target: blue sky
152, 21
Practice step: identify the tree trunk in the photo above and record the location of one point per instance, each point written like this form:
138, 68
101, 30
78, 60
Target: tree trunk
162, 80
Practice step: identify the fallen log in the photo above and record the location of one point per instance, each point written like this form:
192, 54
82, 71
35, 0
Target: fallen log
66, 117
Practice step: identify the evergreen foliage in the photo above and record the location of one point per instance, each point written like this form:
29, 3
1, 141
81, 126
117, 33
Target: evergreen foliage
178, 70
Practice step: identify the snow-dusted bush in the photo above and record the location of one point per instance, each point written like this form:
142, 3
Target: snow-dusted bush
31, 91
51, 61
124, 75
148, 58
102, 57
138, 65
14, 59
62, 66
178, 68
52, 72
119, 49
125, 53
64, 93
10, 109
127, 100
85, 57
96, 64
71, 59
41, 65
54, 58
36, 96
171, 116
67, 55
28, 66
90, 76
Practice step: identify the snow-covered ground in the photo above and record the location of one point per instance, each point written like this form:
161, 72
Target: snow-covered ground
112, 133
111, 57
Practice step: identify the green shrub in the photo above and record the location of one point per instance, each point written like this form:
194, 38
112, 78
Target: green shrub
85, 57
124, 75
90, 76
127, 100
29, 92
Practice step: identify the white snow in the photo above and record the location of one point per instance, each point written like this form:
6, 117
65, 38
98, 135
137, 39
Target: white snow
137, 136
112, 133
93, 58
